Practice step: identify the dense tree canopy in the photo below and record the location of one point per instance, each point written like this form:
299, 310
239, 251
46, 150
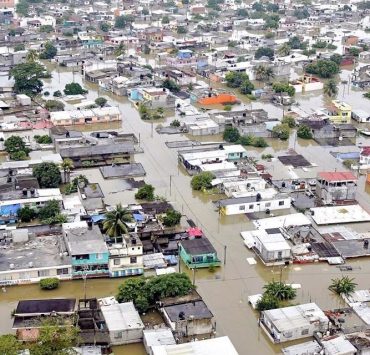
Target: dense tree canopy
27, 78
323, 68
202, 181
47, 174
74, 89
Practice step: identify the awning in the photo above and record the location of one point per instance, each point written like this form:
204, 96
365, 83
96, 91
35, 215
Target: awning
195, 232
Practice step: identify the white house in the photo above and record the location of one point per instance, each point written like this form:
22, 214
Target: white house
252, 204
295, 322
239, 186
123, 321
157, 337
270, 246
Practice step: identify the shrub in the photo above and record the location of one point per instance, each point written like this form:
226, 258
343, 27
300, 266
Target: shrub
227, 107
26, 214
289, 120
47, 174
231, 134
304, 132
283, 87
20, 155
202, 181
267, 302
49, 283
145, 193
175, 123
171, 218
281, 131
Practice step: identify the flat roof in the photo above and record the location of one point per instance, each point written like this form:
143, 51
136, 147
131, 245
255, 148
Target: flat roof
198, 246
122, 316
160, 336
339, 214
100, 149
337, 176
214, 346
250, 199
294, 219
273, 243
195, 310
59, 305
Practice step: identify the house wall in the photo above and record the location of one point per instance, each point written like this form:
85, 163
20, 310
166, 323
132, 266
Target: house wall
126, 336
199, 261
336, 193
260, 206
194, 327
271, 256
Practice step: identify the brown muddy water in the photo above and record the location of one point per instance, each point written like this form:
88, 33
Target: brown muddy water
226, 290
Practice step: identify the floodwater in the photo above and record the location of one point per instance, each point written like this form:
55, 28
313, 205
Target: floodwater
226, 290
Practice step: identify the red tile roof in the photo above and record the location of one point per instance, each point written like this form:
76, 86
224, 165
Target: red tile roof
365, 151
337, 176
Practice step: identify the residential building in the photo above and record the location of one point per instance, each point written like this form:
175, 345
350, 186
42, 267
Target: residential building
336, 187
81, 117
189, 318
28, 258
153, 97
269, 245
251, 204
360, 116
29, 315
339, 112
126, 257
294, 322
365, 157
214, 346
86, 246
307, 83
198, 253
123, 322
157, 337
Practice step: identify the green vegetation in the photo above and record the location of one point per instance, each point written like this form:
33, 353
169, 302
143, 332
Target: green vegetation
349, 162
283, 88
267, 156
296, 43
16, 148
231, 134
46, 29
49, 52
336, 58
331, 88
304, 132
319, 45
202, 181
22, 8
323, 68
72, 187
267, 302
343, 286
19, 47
67, 166
181, 30
50, 283
26, 214
175, 123
105, 27
275, 293
45, 139
289, 120
281, 131
301, 14
74, 89
27, 78
367, 95
114, 224
57, 93
172, 218
47, 174
228, 107
354, 51
264, 73
54, 105
101, 101
264, 52
145, 193
146, 291
239, 80
284, 50
9, 345
120, 22
171, 85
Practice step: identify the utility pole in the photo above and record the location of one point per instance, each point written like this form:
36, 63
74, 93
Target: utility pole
170, 184
225, 248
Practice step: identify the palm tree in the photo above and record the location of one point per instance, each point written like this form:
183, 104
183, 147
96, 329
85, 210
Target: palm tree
264, 73
284, 50
331, 88
114, 224
343, 286
67, 166
32, 56
120, 50
280, 290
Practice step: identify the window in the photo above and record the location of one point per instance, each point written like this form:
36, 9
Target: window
241, 208
63, 271
268, 204
281, 203
42, 273
118, 335
251, 207
117, 261
304, 331
133, 260
99, 256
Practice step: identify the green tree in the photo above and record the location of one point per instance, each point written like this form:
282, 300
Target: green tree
295, 43
319, 44
235, 79
323, 68
301, 14
74, 89
54, 105
19, 47
172, 218
165, 20
175, 123
22, 8
46, 28
263, 73
120, 22
259, 142
284, 50
354, 51
367, 95
67, 166
202, 181
145, 193
47, 174
14, 144
288, 120
171, 85
50, 210
20, 155
105, 27
231, 134
343, 285
336, 58
283, 88
246, 87
331, 88
114, 223
281, 131
9, 345
280, 290
120, 50
27, 78
26, 214
49, 283
55, 338
264, 52
181, 30
267, 302
32, 56
57, 93
101, 101
304, 132
242, 13
49, 52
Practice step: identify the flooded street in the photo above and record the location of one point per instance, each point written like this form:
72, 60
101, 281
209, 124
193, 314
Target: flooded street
225, 291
